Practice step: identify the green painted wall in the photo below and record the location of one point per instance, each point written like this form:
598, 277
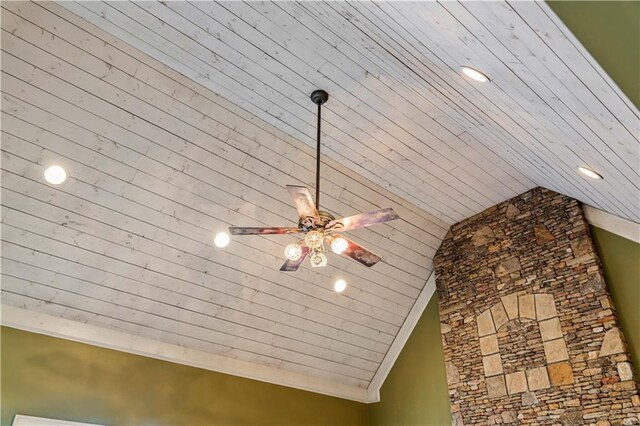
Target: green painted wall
415, 392
621, 262
610, 31
49, 377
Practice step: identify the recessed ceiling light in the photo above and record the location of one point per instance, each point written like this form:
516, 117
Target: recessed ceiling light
221, 239
590, 173
474, 74
55, 175
339, 286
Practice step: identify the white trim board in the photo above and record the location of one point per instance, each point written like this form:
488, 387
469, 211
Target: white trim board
401, 338
614, 224
49, 325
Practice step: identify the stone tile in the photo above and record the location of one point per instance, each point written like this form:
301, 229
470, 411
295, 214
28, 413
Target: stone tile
482, 236
538, 378
512, 211
595, 283
499, 315
485, 323
510, 304
496, 386
492, 365
550, 329
489, 344
542, 234
612, 343
555, 350
526, 306
581, 246
560, 373
624, 371
571, 418
456, 419
545, 307
516, 382
510, 416
453, 376
529, 398
509, 266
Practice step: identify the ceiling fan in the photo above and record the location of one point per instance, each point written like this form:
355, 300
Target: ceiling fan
318, 226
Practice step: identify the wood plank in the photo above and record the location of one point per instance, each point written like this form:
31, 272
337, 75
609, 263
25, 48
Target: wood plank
165, 80
392, 242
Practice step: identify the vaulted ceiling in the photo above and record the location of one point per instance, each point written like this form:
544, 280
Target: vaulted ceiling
179, 119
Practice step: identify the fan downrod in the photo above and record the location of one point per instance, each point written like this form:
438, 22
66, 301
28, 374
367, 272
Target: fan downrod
319, 97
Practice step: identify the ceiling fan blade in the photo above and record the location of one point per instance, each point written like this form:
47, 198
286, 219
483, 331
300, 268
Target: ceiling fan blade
361, 254
363, 219
293, 265
303, 202
238, 230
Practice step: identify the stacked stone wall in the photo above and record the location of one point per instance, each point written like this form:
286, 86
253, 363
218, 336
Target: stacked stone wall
530, 333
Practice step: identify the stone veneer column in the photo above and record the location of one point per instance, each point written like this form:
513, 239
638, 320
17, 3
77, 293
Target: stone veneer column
529, 331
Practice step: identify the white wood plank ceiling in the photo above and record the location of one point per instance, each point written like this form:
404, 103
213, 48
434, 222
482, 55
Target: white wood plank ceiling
179, 119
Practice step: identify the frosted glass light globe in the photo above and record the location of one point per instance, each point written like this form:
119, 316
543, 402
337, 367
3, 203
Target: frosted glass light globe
339, 245
55, 175
318, 260
293, 251
221, 239
313, 239
339, 286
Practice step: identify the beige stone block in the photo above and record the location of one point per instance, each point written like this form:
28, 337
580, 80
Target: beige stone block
485, 323
499, 315
550, 329
496, 386
624, 371
526, 306
538, 378
542, 234
510, 416
516, 382
492, 365
560, 373
489, 344
453, 376
545, 307
482, 236
612, 343
555, 350
529, 398
456, 419
512, 211
510, 304
581, 246
509, 266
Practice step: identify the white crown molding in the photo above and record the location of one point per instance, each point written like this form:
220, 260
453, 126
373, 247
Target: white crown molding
401, 338
49, 325
614, 224
98, 336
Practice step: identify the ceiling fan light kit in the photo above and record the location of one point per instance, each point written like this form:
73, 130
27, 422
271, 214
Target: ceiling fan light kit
320, 227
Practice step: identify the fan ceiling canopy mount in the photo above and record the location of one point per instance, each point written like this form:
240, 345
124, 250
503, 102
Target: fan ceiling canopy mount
320, 227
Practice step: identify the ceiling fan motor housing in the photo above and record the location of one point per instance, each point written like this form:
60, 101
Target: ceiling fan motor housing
308, 223
319, 97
